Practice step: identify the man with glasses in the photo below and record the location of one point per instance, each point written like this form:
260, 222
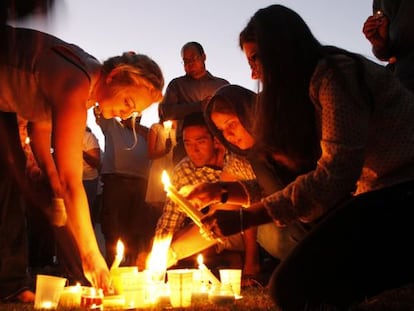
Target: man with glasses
188, 93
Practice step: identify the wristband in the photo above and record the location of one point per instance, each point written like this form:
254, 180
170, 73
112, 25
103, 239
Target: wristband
224, 196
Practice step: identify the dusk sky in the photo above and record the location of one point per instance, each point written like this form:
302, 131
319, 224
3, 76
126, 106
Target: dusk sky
159, 28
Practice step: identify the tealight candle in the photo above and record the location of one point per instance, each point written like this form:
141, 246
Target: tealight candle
91, 298
71, 296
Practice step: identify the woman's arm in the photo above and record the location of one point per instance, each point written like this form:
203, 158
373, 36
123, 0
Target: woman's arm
68, 98
93, 157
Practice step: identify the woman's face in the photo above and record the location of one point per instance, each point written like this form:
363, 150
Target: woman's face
232, 129
123, 102
250, 50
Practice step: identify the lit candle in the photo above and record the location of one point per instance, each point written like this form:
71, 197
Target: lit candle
91, 298
119, 255
167, 127
71, 296
47, 305
206, 271
185, 206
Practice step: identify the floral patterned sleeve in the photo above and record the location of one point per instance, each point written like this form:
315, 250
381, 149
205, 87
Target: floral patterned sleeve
344, 122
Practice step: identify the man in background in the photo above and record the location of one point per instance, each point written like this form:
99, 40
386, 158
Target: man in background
188, 93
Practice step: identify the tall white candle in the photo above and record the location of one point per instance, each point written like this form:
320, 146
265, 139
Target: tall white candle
184, 204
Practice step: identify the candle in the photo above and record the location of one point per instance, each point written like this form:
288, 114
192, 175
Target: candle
91, 298
46, 305
71, 296
119, 255
185, 206
113, 301
206, 271
167, 127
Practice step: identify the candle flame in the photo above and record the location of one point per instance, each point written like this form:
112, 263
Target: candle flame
167, 125
157, 261
119, 249
165, 179
200, 259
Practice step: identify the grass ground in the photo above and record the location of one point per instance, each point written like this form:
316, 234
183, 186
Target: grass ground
255, 299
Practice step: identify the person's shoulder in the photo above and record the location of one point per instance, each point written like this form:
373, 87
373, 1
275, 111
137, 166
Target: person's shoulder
209, 75
156, 126
184, 164
177, 80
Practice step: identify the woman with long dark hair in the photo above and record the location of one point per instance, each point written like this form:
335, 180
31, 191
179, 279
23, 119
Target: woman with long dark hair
343, 126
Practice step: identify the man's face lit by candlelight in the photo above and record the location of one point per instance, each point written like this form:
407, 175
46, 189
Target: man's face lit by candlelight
199, 145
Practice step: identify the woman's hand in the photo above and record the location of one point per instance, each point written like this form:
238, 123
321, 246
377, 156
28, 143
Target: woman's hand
96, 271
202, 194
223, 223
376, 31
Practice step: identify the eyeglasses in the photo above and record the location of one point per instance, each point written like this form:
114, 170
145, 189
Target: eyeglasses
188, 61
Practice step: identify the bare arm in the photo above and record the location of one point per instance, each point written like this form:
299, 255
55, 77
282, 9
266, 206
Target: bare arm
68, 98
93, 157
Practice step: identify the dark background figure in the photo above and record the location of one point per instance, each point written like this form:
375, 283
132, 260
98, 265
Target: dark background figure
125, 167
18, 9
391, 32
91, 168
14, 277
188, 93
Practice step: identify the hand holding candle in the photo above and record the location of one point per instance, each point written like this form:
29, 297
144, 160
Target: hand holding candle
185, 205
167, 126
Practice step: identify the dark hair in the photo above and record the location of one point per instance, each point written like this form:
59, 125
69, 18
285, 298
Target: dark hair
195, 45
236, 100
194, 119
289, 53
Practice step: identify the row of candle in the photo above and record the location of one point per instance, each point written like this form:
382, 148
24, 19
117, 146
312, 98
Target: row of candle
75, 295
132, 295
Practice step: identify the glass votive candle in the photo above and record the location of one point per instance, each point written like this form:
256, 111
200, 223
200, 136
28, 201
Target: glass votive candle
91, 298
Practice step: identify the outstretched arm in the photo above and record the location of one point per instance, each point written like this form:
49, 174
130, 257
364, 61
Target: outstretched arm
68, 99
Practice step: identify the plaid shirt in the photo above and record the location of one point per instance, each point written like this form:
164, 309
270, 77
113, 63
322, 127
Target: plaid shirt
185, 173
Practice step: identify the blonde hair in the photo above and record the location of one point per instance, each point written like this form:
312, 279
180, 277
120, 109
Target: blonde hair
132, 68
